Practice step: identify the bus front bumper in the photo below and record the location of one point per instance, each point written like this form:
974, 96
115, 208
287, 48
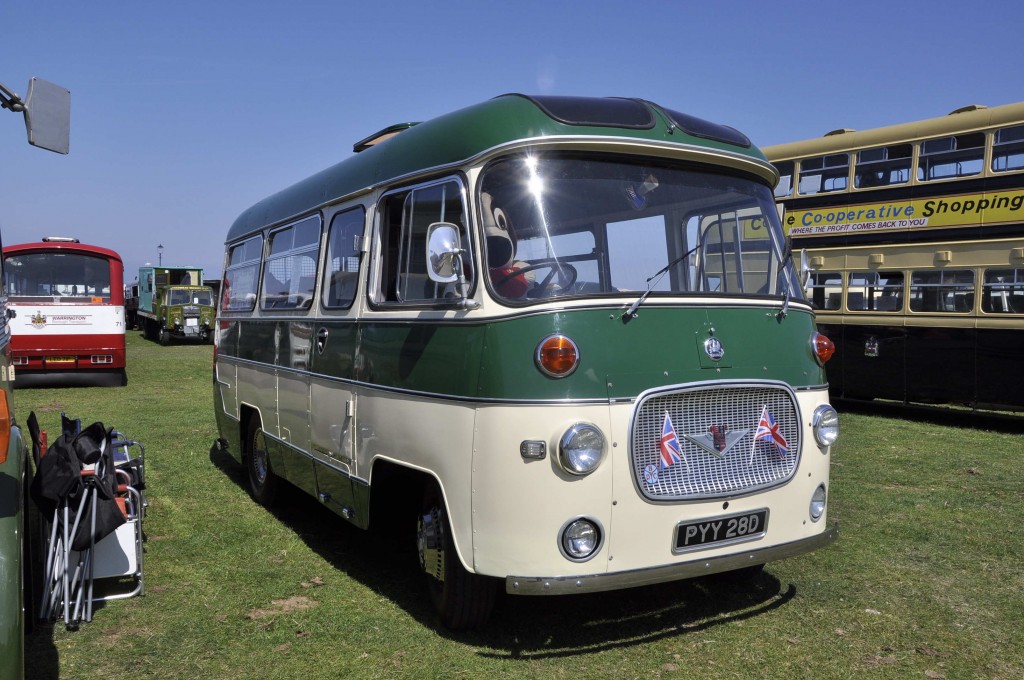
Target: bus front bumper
565, 585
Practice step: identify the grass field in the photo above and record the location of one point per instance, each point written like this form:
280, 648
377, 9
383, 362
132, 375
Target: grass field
925, 581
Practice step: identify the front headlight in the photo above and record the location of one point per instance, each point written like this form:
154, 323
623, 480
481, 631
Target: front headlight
825, 422
581, 449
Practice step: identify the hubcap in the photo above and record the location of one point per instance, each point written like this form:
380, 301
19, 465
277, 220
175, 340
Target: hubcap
430, 543
259, 457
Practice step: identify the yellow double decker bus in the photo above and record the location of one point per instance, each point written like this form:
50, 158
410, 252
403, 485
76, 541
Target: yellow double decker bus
913, 236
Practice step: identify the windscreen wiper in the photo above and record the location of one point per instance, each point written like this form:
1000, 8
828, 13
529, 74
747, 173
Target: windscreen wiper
630, 313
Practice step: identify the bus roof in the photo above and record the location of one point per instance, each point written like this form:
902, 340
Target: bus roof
966, 119
461, 135
61, 246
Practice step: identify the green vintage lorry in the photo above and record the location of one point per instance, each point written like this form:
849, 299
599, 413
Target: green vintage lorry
174, 304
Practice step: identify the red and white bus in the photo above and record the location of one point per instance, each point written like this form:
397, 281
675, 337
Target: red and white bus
68, 303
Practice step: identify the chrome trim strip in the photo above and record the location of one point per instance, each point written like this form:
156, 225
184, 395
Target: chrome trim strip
596, 583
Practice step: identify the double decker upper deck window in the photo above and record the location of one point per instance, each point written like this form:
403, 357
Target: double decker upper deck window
824, 173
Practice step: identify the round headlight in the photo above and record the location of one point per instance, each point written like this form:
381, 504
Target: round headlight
817, 508
825, 422
581, 449
580, 539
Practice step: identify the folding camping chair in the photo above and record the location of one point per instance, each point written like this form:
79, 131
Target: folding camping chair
90, 485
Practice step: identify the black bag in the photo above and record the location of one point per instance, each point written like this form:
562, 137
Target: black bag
59, 478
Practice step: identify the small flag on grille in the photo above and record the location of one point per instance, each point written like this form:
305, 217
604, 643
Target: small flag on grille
670, 451
768, 429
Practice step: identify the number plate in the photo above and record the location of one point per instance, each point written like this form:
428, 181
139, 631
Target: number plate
191, 322
717, 531
60, 360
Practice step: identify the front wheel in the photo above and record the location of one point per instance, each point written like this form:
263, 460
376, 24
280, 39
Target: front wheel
462, 600
263, 483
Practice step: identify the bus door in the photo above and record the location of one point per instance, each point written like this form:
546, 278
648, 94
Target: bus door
332, 405
874, 338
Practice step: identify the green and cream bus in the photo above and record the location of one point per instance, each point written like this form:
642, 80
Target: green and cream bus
564, 331
914, 237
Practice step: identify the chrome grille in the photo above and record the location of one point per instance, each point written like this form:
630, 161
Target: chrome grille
746, 466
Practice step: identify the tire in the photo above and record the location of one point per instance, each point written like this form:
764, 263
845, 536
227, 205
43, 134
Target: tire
165, 337
462, 600
263, 483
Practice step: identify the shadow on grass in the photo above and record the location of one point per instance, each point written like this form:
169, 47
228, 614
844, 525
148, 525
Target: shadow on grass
525, 628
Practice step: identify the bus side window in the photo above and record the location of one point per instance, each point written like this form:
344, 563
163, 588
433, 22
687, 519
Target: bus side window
1008, 149
1003, 291
825, 290
942, 291
341, 275
239, 292
406, 216
875, 291
290, 273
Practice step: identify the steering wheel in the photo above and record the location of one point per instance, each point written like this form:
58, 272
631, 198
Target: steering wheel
566, 276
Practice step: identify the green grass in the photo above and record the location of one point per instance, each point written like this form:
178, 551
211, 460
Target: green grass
925, 581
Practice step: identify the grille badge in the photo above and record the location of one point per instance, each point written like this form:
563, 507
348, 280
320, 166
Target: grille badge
718, 440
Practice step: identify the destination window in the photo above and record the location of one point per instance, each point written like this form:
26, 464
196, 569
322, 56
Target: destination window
1003, 291
875, 292
947, 157
824, 173
1008, 149
945, 290
240, 275
884, 166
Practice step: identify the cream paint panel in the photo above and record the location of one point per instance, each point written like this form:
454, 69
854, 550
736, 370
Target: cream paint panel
429, 435
331, 426
227, 383
519, 506
257, 387
642, 532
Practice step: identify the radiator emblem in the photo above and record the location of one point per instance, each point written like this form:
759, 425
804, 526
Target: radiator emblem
718, 439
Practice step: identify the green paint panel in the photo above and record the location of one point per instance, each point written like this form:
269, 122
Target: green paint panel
495, 359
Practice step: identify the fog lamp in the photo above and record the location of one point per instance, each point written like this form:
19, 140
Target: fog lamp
580, 539
817, 508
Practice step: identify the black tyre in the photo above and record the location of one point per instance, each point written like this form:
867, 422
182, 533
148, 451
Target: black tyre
263, 483
461, 599
165, 337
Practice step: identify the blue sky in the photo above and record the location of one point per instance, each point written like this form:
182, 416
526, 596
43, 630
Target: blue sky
185, 113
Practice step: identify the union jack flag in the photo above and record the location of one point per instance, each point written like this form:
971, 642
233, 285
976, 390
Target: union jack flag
768, 429
670, 451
